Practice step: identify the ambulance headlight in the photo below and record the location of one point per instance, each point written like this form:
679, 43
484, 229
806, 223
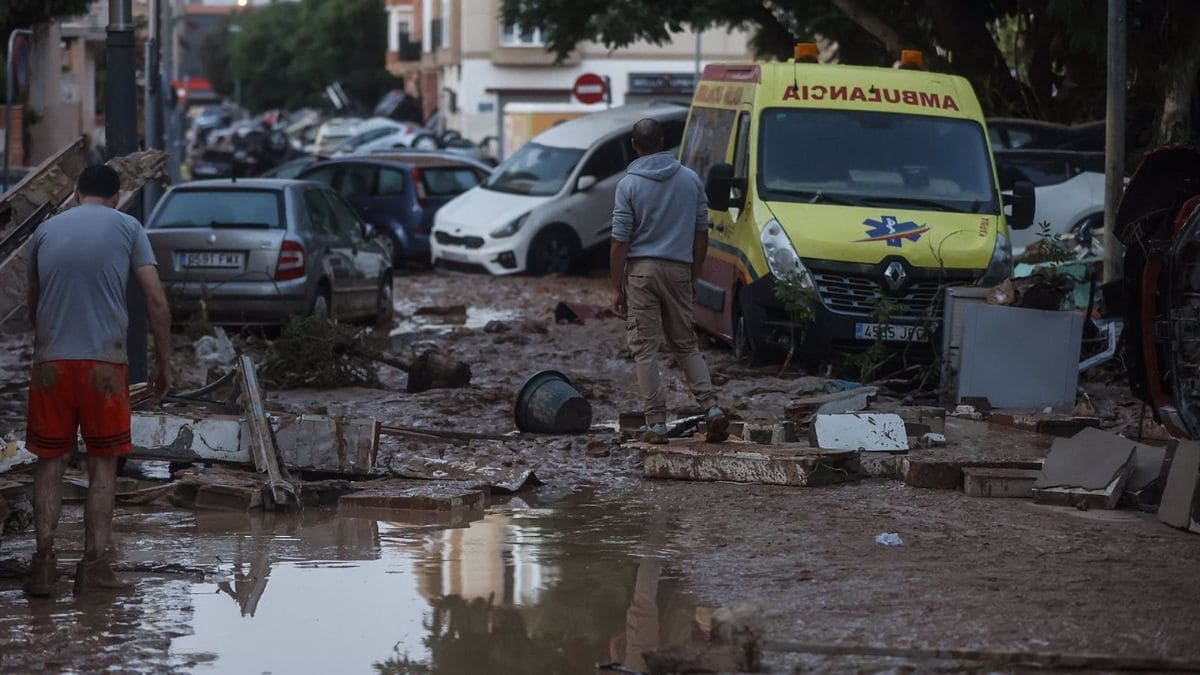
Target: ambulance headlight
1000, 267
781, 255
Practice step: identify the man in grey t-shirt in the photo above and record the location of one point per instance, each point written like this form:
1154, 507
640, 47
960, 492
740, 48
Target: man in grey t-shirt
79, 269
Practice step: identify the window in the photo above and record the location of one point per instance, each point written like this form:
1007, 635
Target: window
535, 169
707, 139
672, 134
448, 181
345, 221
875, 159
258, 209
358, 181
391, 183
741, 155
323, 175
516, 35
607, 160
319, 215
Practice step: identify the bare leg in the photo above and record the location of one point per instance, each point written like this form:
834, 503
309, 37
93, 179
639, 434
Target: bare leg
97, 515
47, 501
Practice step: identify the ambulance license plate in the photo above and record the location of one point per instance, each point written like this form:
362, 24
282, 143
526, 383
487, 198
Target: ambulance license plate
890, 333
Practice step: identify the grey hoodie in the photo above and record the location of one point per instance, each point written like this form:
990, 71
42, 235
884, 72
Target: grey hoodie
659, 208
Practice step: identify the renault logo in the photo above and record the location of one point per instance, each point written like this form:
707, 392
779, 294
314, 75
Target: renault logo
894, 275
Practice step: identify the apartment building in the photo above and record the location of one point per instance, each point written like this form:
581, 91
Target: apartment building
498, 81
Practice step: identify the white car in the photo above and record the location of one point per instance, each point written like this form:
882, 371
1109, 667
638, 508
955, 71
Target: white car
1068, 185
333, 132
382, 133
550, 200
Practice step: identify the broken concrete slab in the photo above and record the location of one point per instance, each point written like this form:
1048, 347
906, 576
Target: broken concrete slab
1086, 498
422, 503
471, 475
1090, 460
868, 432
1001, 483
972, 443
1180, 505
319, 443
1051, 424
742, 463
759, 434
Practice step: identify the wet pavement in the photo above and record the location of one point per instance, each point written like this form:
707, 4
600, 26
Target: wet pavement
550, 587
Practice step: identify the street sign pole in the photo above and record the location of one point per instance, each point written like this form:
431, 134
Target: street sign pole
121, 138
1114, 137
8, 97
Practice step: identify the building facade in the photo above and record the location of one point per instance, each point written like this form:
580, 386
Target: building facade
492, 81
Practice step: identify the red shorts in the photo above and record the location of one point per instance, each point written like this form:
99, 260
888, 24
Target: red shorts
91, 396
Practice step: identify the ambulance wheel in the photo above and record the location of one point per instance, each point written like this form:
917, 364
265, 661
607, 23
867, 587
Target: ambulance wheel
747, 348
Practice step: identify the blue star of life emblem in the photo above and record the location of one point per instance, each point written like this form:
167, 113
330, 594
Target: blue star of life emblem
891, 230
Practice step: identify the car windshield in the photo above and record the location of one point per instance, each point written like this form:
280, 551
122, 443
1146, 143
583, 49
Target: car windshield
535, 169
367, 136
876, 159
257, 209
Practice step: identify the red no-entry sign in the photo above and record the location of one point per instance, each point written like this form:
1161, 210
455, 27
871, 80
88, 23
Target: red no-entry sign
590, 88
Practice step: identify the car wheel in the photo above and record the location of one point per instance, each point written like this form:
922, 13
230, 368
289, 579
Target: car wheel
321, 305
747, 348
425, 142
385, 309
553, 251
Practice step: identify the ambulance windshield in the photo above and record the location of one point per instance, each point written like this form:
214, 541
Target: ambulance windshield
539, 170
864, 158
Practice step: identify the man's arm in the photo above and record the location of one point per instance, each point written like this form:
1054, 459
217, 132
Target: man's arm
160, 326
618, 252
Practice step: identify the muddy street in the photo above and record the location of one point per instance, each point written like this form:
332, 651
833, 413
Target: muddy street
599, 565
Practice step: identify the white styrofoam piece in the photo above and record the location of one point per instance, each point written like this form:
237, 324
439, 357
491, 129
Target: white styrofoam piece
871, 432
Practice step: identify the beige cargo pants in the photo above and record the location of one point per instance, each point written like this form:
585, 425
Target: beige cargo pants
658, 297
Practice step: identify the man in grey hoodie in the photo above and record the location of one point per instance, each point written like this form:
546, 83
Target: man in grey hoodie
659, 240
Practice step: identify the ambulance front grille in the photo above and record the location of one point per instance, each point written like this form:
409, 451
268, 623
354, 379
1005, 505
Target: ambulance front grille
857, 296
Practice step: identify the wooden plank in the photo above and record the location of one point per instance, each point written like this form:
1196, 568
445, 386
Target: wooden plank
262, 443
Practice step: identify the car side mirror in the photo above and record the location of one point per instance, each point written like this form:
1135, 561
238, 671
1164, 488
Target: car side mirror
585, 183
1023, 201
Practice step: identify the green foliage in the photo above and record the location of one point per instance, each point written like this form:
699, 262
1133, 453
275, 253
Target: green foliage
877, 355
215, 59
1050, 246
315, 351
798, 300
286, 53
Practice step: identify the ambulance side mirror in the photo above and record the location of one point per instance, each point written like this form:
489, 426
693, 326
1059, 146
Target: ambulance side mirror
1023, 201
719, 185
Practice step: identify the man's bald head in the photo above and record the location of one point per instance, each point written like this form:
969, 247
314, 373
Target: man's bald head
647, 137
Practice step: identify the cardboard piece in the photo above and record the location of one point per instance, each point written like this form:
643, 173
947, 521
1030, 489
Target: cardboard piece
869, 432
1180, 505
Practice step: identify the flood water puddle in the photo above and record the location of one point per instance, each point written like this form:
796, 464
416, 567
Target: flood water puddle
550, 588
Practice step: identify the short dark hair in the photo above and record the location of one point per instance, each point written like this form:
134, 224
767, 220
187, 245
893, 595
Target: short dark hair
648, 135
99, 181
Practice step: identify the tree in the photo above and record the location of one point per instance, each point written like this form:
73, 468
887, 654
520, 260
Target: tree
285, 54
214, 59
26, 14
1030, 58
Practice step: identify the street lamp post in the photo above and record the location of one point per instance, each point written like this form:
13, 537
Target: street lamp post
8, 97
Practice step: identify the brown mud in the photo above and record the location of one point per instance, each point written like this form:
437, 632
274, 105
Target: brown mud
597, 564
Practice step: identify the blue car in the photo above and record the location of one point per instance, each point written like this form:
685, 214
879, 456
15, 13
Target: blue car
399, 196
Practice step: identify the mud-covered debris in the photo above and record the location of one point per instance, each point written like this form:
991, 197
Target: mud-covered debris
578, 313
319, 352
448, 314
497, 326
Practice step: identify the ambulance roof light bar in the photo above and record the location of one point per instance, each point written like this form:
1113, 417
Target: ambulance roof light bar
912, 59
805, 52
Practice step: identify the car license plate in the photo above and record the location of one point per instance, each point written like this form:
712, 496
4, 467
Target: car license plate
889, 332
454, 256
217, 259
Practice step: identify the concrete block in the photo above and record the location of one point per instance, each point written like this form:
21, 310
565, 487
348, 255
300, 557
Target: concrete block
869, 432
880, 464
944, 472
757, 433
1100, 498
1180, 505
775, 465
1014, 483
784, 432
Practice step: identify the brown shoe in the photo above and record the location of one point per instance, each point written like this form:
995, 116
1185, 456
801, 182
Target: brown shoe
97, 574
43, 575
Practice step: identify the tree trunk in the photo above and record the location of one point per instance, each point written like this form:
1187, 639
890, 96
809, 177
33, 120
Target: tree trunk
773, 38
875, 25
1180, 77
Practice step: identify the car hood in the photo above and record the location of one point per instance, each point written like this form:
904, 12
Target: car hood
929, 239
479, 211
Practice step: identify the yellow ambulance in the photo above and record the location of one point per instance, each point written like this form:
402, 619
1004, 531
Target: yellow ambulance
864, 183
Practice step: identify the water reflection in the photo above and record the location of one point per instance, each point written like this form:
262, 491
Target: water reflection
548, 589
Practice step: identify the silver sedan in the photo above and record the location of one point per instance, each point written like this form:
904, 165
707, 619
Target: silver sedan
258, 251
